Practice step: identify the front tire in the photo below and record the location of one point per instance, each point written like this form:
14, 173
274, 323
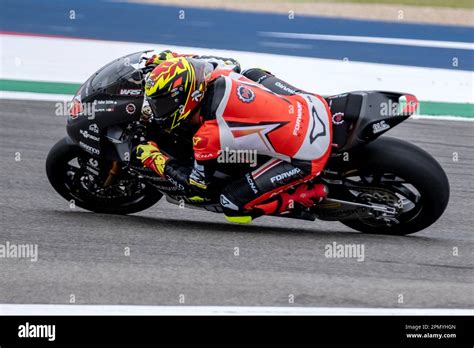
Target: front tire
67, 183
418, 168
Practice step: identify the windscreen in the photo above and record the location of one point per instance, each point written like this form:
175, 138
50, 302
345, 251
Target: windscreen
115, 70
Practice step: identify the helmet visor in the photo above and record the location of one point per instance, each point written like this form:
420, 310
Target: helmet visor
163, 106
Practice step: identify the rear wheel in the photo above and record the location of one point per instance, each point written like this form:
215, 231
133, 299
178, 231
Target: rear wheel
78, 177
400, 175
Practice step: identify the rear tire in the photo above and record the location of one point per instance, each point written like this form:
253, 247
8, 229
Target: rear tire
416, 166
56, 169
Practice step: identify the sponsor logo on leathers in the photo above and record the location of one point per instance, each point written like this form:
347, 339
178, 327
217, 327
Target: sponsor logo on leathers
286, 175
203, 156
285, 88
299, 117
251, 183
245, 94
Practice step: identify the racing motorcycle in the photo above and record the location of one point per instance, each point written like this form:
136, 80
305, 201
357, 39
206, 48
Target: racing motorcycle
377, 184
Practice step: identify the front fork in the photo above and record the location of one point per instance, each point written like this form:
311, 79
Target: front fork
114, 170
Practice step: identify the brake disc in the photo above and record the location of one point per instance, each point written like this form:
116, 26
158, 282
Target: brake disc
381, 196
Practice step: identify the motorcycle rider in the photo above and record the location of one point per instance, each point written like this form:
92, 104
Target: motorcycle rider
253, 111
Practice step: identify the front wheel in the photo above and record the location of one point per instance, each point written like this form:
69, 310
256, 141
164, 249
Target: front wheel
400, 175
79, 177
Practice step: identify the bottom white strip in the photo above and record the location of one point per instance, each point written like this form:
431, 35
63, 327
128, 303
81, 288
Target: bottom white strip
35, 96
58, 309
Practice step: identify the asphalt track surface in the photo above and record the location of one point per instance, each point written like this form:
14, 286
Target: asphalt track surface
181, 251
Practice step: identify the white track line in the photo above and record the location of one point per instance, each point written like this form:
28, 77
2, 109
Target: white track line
442, 117
286, 45
57, 309
35, 96
371, 39
68, 61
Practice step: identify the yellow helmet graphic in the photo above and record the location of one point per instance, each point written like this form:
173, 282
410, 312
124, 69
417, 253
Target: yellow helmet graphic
174, 89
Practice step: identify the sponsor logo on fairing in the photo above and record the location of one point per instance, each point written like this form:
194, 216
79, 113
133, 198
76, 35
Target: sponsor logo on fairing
86, 135
92, 170
175, 183
94, 128
379, 127
93, 162
132, 92
168, 189
75, 108
286, 175
338, 96
95, 166
130, 108
245, 94
89, 148
338, 118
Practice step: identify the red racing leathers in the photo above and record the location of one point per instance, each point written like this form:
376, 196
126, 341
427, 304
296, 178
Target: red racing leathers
294, 130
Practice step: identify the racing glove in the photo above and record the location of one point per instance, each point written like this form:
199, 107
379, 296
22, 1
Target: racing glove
151, 157
221, 62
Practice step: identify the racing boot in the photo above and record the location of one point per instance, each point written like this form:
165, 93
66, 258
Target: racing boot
306, 195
